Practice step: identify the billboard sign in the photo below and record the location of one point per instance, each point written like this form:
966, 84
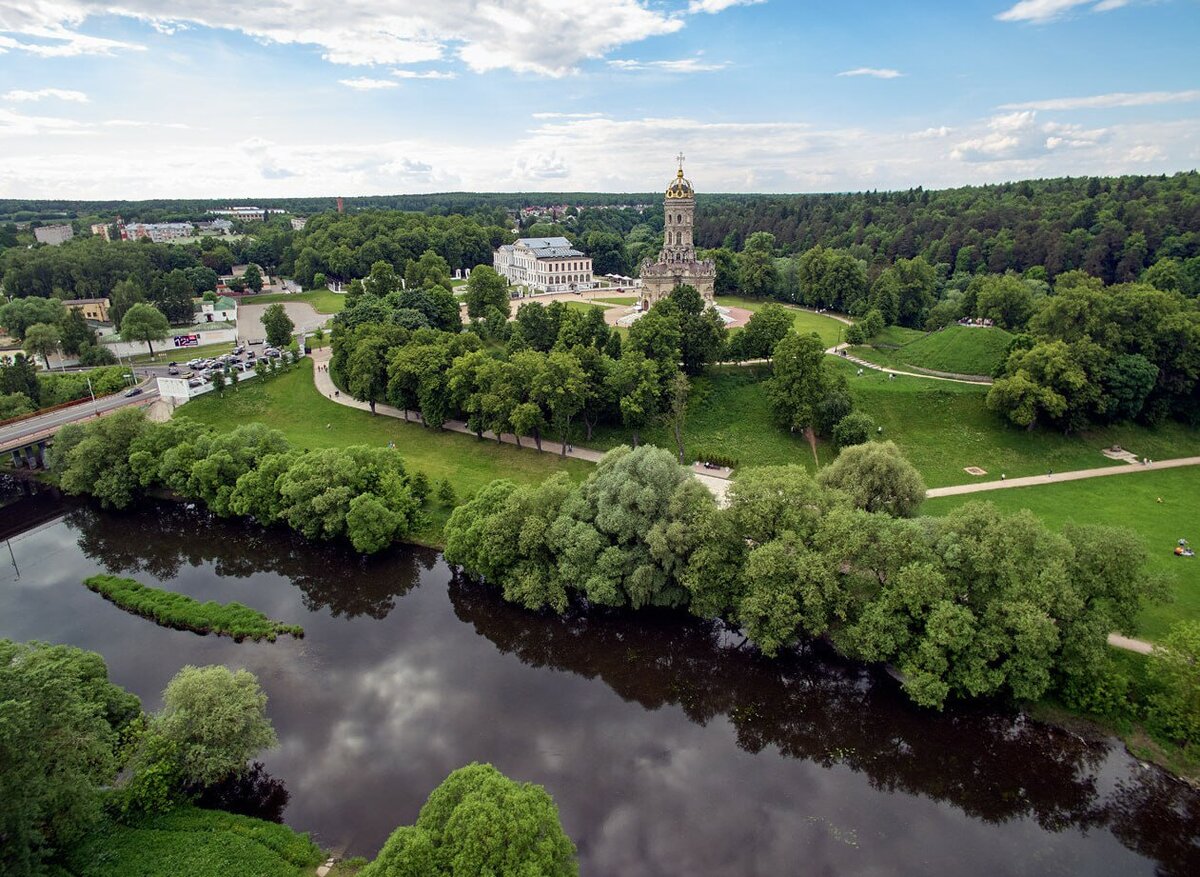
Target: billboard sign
187, 340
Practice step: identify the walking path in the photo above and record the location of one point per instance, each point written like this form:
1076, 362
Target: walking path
1075, 475
838, 351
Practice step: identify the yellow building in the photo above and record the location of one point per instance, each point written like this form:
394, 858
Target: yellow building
94, 309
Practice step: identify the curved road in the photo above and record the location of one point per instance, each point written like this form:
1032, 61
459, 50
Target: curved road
33, 429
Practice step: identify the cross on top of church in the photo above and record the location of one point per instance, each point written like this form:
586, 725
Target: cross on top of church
679, 158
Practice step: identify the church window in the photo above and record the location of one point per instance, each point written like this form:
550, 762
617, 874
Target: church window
678, 238
679, 218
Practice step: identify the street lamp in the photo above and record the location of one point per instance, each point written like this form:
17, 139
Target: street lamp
62, 363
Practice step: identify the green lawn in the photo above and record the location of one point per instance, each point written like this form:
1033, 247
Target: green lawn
583, 306
323, 300
828, 328
956, 349
290, 403
727, 413
190, 842
1130, 501
617, 299
944, 427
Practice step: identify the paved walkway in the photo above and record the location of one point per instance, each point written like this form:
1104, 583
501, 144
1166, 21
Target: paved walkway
837, 350
1075, 475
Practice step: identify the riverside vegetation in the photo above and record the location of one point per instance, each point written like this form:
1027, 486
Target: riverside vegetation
121, 798
972, 604
181, 611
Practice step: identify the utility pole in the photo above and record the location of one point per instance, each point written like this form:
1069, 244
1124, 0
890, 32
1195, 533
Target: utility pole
95, 407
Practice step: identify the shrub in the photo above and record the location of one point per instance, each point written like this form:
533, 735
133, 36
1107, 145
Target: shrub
717, 458
853, 429
1174, 673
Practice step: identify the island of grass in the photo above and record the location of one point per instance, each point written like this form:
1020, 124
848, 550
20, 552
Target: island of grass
183, 613
190, 842
323, 301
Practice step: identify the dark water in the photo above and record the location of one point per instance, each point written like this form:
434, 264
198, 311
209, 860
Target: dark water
669, 749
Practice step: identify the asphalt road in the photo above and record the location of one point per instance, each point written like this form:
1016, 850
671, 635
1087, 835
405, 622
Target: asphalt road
84, 410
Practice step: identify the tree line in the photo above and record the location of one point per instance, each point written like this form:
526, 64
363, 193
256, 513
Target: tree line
972, 605
363, 494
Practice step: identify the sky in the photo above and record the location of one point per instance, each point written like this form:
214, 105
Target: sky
275, 98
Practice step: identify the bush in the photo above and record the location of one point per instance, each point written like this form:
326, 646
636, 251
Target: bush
1174, 673
717, 459
853, 429
445, 493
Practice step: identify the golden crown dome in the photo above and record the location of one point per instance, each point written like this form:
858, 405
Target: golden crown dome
680, 187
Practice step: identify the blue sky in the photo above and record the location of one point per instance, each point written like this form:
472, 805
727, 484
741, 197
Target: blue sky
205, 98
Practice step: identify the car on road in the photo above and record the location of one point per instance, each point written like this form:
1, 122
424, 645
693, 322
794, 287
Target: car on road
133, 391
173, 370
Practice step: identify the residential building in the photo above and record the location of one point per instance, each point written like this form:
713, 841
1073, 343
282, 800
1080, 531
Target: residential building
298, 223
94, 309
102, 229
159, 232
53, 234
245, 213
545, 264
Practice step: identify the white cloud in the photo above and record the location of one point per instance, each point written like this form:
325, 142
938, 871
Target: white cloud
1105, 101
568, 115
544, 37
138, 123
932, 133
425, 74
675, 65
1144, 152
19, 125
1048, 10
62, 94
877, 72
714, 6
363, 83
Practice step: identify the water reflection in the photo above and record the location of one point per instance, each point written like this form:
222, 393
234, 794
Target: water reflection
668, 747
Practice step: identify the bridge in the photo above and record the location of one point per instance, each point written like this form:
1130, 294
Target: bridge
26, 439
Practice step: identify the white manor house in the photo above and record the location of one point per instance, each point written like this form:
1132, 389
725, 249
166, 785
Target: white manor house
545, 264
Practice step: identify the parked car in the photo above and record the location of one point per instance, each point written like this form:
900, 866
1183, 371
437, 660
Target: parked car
172, 370
133, 391
195, 382
271, 352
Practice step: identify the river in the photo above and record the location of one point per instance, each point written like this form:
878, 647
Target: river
669, 748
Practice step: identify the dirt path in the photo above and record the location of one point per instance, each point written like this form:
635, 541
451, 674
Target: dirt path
1075, 475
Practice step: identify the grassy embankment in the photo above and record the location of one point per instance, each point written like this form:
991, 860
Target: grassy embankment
290, 403
190, 842
324, 301
830, 330
185, 613
956, 349
1130, 501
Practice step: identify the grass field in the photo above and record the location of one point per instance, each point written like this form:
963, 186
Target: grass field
727, 413
956, 349
944, 427
617, 299
190, 842
829, 329
290, 403
323, 300
1130, 501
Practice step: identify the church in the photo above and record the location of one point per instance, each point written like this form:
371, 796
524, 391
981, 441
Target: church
677, 263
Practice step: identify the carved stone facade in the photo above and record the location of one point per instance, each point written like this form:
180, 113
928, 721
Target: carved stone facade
677, 263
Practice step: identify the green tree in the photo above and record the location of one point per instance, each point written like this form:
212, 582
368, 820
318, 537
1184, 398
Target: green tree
853, 429
1006, 300
678, 388
125, 294
480, 822
217, 720
486, 289
42, 339
560, 386
798, 381
428, 271
1174, 671
60, 724
278, 325
253, 278
634, 383
757, 274
382, 281
144, 322
20, 376
218, 381
94, 459
19, 314
76, 334
14, 405
877, 478
367, 367
766, 328
702, 332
